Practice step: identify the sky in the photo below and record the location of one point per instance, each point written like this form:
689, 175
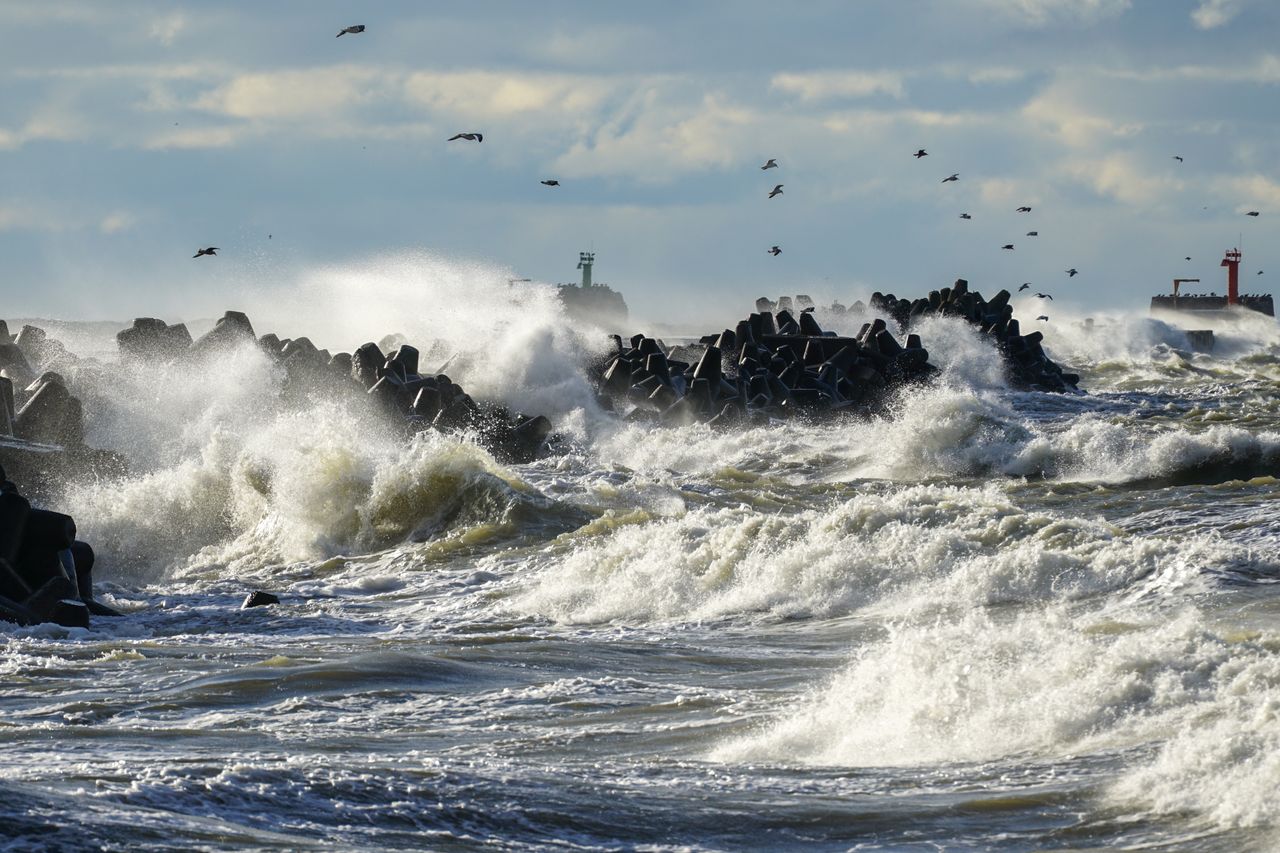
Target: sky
134, 132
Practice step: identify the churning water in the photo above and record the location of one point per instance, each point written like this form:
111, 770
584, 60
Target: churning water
987, 619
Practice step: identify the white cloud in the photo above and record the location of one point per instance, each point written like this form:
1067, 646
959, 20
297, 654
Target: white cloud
1264, 70
483, 95
1076, 126
1215, 13
824, 85
1039, 13
1121, 177
653, 141
1006, 192
167, 28
23, 217
115, 222
1260, 192
203, 137
54, 124
295, 94
995, 74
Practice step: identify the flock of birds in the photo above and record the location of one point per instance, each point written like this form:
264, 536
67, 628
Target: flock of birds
771, 163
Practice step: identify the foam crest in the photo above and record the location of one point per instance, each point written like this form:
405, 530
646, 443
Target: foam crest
253, 481
987, 686
918, 549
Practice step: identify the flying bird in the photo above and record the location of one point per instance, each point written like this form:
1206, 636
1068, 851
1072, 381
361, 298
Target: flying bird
1044, 317
775, 191
358, 28
1176, 157
1048, 296
1025, 285
1073, 272
470, 137
965, 216
774, 250
1259, 272
954, 177
1024, 209
212, 250
770, 164
1187, 258
1033, 233
1253, 213
1008, 246
920, 153
550, 183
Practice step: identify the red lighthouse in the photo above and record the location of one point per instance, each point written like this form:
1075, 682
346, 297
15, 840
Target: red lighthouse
1232, 263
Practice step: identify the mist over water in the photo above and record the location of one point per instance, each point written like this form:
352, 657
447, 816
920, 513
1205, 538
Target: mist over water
1012, 620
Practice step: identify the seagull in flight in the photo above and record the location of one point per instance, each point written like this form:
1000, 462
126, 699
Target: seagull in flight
775, 191
1033, 233
954, 177
1008, 246
1025, 285
965, 216
1187, 258
1024, 209
1048, 296
212, 250
774, 250
920, 153
358, 28
1044, 317
1253, 213
1176, 157
470, 137
1073, 272
1259, 272
552, 182
770, 164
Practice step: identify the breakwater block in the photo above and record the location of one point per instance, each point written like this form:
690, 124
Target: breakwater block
259, 598
1026, 365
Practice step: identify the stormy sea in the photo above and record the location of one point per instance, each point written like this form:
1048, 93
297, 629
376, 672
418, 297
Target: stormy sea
976, 617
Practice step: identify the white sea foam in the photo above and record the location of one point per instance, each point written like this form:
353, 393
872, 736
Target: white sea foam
922, 548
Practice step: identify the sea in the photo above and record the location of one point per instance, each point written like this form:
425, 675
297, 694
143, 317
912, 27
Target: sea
976, 619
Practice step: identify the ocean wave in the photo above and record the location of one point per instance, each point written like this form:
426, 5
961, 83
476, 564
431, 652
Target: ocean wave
917, 549
1053, 685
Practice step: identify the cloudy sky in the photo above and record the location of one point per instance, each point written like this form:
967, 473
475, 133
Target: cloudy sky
133, 132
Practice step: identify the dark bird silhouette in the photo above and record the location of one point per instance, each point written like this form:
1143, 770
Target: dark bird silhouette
1024, 209
1008, 246
954, 177
1048, 296
550, 183
775, 191
1025, 285
770, 164
358, 28
1259, 272
920, 153
965, 216
1253, 213
1044, 317
1073, 272
1033, 233
1187, 258
774, 250
1176, 157
470, 137
212, 250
